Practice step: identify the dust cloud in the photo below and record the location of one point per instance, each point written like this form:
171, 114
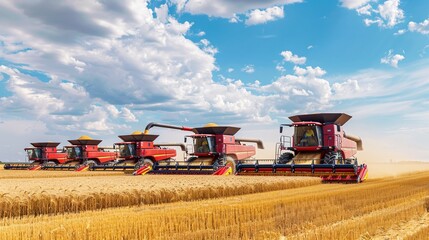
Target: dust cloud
386, 169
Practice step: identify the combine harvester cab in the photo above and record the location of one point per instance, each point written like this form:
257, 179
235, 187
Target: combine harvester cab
319, 147
83, 154
138, 150
215, 150
41, 154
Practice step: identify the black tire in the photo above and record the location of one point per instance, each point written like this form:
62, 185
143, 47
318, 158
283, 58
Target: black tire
90, 164
286, 158
232, 162
77, 166
332, 158
48, 163
349, 161
142, 162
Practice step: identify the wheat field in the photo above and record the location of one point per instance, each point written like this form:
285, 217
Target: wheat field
213, 207
92, 191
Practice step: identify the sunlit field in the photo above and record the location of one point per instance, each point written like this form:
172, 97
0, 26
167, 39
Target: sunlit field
103, 205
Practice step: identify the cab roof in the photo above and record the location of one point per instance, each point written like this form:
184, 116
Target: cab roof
138, 137
85, 142
337, 118
45, 144
225, 130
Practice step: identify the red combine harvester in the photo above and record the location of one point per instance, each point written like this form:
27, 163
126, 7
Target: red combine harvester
83, 154
319, 147
215, 150
41, 154
139, 149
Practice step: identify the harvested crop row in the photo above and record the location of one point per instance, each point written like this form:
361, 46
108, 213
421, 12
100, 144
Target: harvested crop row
314, 212
14, 174
423, 233
21, 197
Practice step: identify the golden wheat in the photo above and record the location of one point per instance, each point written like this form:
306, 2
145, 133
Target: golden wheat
328, 211
11, 174
423, 233
60, 195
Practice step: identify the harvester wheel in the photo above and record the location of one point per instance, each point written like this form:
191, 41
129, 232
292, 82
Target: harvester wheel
90, 163
349, 161
285, 158
331, 158
50, 163
231, 162
141, 163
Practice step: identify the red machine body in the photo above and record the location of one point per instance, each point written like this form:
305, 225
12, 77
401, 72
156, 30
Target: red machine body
139, 148
221, 142
326, 138
318, 147
43, 152
212, 147
83, 153
147, 150
85, 150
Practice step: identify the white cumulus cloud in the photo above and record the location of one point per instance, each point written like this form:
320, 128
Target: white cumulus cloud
391, 13
347, 89
288, 56
353, 4
162, 13
252, 12
400, 32
128, 115
392, 59
422, 27
386, 15
365, 10
305, 90
227, 8
248, 69
262, 16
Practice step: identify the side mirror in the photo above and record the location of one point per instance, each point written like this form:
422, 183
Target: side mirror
281, 129
184, 139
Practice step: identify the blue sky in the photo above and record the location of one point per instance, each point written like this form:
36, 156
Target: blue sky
108, 68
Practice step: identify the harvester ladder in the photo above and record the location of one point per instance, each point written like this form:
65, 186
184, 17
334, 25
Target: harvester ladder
189, 150
285, 142
339, 141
